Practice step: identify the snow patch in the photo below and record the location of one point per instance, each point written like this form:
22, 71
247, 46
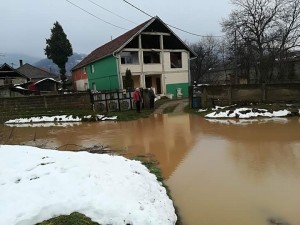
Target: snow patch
244, 113
55, 119
37, 184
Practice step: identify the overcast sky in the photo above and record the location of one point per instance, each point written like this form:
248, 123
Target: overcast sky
26, 24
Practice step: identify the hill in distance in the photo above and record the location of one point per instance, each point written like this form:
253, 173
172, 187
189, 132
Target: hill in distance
49, 66
46, 64
13, 59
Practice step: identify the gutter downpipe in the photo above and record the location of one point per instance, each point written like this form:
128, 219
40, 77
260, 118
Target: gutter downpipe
118, 71
189, 73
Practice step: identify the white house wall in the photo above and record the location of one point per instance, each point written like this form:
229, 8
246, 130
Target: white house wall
164, 66
184, 59
173, 78
81, 85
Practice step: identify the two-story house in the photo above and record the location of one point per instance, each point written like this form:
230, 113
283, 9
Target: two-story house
153, 53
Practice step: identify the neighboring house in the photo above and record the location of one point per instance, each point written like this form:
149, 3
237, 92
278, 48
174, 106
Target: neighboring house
46, 86
154, 54
35, 74
10, 76
41, 81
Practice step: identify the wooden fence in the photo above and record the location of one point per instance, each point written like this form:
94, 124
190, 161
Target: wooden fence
210, 95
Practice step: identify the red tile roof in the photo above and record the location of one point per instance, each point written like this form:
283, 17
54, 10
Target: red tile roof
110, 47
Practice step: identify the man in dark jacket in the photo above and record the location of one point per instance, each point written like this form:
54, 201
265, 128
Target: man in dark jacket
151, 98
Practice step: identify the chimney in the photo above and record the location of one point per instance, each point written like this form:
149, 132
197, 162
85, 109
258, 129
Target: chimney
21, 62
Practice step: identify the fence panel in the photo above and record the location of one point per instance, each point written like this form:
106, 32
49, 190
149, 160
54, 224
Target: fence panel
210, 95
112, 101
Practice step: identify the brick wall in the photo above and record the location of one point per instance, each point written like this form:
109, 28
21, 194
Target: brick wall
66, 101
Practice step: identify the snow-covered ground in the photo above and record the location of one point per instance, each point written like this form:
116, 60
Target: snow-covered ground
245, 113
56, 119
38, 184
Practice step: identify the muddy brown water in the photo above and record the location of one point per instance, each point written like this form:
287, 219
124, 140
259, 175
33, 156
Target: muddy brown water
219, 173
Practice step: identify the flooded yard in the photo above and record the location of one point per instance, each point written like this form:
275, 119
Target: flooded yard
220, 173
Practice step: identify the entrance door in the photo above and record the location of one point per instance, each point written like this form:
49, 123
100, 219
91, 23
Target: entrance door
158, 85
148, 81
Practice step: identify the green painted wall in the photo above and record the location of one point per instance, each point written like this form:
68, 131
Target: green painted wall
172, 89
105, 75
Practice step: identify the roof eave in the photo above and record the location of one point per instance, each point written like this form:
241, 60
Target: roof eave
137, 33
74, 68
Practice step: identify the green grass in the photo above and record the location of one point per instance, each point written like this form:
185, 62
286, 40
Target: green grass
130, 114
72, 219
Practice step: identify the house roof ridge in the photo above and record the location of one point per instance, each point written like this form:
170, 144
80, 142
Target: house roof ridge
33, 70
110, 47
117, 44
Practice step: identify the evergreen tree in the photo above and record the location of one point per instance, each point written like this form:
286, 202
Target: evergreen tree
58, 49
128, 81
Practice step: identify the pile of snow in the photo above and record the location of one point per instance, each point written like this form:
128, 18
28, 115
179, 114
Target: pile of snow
247, 122
48, 124
244, 113
36, 185
202, 110
60, 119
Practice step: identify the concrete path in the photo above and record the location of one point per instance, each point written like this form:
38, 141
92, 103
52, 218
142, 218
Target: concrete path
181, 103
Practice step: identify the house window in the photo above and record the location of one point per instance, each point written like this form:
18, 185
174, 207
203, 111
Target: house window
129, 58
150, 41
84, 70
92, 68
151, 57
94, 86
176, 59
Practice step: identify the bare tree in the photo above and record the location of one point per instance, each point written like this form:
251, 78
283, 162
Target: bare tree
208, 51
268, 28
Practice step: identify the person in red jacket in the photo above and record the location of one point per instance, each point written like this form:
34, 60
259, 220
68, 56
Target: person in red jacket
137, 99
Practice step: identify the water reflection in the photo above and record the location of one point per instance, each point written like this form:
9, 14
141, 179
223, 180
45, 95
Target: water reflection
219, 173
168, 138
240, 174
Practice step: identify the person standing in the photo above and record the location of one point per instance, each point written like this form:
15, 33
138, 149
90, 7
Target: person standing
137, 99
151, 97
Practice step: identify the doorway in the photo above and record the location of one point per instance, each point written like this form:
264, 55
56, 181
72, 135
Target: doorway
153, 81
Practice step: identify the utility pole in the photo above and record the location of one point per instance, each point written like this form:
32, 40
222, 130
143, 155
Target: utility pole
2, 55
235, 58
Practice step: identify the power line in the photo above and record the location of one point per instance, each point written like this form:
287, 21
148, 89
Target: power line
111, 12
96, 16
137, 8
199, 35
